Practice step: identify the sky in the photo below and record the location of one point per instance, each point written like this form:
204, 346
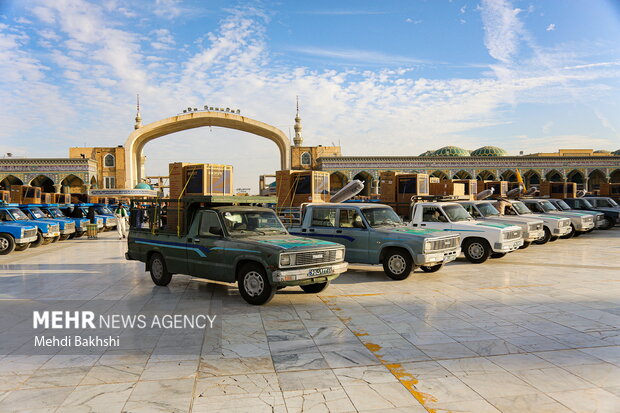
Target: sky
395, 77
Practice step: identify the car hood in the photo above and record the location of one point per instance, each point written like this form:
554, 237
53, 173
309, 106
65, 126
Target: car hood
607, 209
408, 231
286, 242
16, 224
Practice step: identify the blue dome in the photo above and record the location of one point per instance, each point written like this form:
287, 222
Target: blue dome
450, 151
489, 151
143, 185
617, 153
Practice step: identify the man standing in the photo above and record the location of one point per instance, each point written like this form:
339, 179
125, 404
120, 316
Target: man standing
121, 221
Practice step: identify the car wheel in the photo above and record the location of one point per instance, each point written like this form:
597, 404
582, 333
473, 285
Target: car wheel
47, 240
315, 288
56, 238
254, 285
65, 237
79, 234
22, 247
607, 223
476, 250
570, 234
7, 244
498, 254
159, 271
525, 245
397, 264
554, 238
578, 233
545, 238
431, 268
38, 242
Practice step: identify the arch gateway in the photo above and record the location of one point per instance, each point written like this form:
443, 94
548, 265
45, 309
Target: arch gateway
143, 134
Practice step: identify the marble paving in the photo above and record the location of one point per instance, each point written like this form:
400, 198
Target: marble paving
535, 331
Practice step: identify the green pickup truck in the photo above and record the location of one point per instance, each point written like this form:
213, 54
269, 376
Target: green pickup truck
231, 242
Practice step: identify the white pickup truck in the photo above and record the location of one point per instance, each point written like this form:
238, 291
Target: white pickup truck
580, 222
532, 227
555, 226
479, 239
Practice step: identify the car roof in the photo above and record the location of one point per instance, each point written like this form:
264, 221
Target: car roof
240, 208
350, 205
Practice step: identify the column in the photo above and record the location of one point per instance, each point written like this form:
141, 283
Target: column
57, 188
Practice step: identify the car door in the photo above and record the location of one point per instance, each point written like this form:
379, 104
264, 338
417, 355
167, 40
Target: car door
206, 246
433, 217
354, 235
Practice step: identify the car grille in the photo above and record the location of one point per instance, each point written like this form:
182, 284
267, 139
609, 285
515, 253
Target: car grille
564, 223
512, 234
600, 217
30, 233
315, 257
443, 243
54, 227
69, 225
587, 220
536, 227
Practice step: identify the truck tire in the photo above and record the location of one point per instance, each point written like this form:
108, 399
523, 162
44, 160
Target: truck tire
55, 239
65, 237
545, 238
578, 233
78, 234
7, 244
22, 247
47, 240
554, 238
476, 250
607, 223
254, 285
315, 288
497, 254
431, 268
158, 270
397, 264
39, 240
571, 234
525, 245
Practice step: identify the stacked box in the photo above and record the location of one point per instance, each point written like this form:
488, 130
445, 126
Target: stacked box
208, 179
501, 187
25, 194
387, 186
47, 198
447, 188
175, 176
5, 196
610, 189
294, 188
61, 198
470, 187
558, 189
398, 188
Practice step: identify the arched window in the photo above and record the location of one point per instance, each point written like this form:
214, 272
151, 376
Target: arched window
306, 159
109, 160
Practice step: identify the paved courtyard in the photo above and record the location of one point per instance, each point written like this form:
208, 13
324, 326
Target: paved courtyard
535, 331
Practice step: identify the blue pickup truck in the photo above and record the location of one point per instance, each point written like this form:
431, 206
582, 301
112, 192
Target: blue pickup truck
66, 226
47, 232
374, 234
15, 235
103, 212
75, 211
53, 211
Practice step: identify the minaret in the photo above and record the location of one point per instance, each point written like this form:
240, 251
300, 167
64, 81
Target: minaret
138, 117
298, 140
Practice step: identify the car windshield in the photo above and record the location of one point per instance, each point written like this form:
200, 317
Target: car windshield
612, 202
244, 223
18, 214
586, 203
378, 217
488, 210
521, 208
605, 202
37, 213
547, 206
457, 213
563, 205
103, 210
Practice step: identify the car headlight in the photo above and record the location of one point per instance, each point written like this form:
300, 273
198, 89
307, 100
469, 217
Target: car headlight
23, 231
428, 245
285, 260
339, 254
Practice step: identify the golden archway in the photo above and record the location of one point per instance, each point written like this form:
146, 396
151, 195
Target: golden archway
141, 136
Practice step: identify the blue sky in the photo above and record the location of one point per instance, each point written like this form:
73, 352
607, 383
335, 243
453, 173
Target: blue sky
381, 78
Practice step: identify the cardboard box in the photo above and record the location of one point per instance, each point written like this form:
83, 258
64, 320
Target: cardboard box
501, 187
610, 189
61, 198
398, 188
25, 194
558, 189
470, 187
5, 196
208, 179
294, 188
47, 198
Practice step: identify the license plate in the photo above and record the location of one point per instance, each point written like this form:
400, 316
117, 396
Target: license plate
315, 272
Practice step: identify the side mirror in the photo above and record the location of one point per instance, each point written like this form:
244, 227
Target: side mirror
216, 231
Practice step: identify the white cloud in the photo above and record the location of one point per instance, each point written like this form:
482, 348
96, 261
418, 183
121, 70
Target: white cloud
501, 29
411, 21
550, 28
463, 9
